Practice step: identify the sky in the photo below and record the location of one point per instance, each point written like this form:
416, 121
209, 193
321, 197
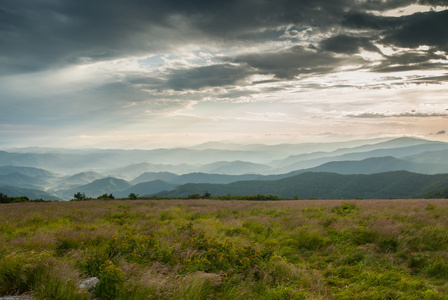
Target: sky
165, 73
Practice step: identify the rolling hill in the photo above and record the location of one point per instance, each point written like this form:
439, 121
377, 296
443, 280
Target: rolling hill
400, 184
97, 188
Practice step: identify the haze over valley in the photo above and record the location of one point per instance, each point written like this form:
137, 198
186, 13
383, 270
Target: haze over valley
283, 170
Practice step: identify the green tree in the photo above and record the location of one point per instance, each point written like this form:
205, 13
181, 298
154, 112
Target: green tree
133, 196
79, 196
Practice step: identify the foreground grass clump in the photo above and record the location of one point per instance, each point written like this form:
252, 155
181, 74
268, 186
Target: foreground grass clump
210, 249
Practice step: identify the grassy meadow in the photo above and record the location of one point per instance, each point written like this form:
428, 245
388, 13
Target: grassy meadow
211, 249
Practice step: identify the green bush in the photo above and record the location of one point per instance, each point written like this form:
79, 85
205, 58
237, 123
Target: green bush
345, 209
111, 281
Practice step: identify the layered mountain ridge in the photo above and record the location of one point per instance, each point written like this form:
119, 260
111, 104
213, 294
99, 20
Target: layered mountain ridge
230, 169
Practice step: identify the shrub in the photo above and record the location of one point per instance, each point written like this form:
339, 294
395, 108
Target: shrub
106, 197
344, 209
437, 268
111, 281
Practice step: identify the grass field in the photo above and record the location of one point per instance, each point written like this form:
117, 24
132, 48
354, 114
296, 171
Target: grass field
210, 249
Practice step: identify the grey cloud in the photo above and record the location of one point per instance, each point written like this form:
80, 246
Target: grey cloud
44, 34
420, 29
433, 2
429, 28
145, 82
234, 94
402, 115
410, 61
368, 116
431, 79
209, 76
385, 68
413, 58
287, 64
362, 20
348, 44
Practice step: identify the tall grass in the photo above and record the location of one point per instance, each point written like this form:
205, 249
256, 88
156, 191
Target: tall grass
210, 249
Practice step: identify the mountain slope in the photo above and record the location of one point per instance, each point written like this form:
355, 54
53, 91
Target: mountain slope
145, 188
443, 193
32, 194
81, 178
152, 176
399, 184
378, 165
28, 171
98, 187
21, 180
234, 168
134, 170
439, 157
193, 178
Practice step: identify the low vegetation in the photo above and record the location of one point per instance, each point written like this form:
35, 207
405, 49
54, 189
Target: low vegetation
211, 249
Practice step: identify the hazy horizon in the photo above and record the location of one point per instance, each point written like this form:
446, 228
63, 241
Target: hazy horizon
227, 144
164, 74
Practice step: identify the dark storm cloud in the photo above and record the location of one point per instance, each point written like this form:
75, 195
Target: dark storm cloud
348, 44
419, 29
430, 29
41, 34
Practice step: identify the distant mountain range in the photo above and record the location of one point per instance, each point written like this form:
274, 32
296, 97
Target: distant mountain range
193, 178
226, 168
379, 165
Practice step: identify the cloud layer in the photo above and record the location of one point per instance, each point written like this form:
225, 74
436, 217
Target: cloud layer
108, 67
